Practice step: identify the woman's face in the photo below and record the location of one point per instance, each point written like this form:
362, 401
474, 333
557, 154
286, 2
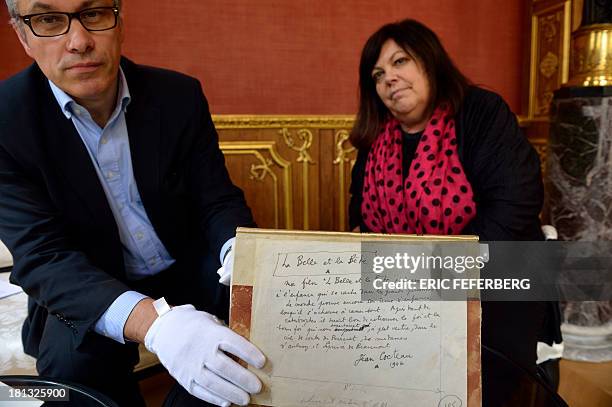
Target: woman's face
402, 85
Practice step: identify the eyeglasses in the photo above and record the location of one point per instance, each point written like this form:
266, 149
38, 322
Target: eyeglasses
58, 23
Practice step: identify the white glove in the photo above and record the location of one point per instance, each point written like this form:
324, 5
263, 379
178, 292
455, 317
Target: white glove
225, 271
190, 344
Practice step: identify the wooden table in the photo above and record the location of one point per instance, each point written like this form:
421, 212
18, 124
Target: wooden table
586, 384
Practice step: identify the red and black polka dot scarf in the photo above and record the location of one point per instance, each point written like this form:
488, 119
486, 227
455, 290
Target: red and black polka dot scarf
436, 197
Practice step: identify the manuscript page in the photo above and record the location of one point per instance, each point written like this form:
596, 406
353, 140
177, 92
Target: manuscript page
325, 347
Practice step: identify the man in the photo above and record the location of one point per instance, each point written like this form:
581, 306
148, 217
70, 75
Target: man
114, 193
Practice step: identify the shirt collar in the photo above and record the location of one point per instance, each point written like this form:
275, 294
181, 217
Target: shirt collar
66, 102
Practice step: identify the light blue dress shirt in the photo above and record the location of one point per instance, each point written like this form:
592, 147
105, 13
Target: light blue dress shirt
109, 149
144, 254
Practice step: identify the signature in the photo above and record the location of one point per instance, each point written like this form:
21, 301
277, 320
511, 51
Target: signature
382, 356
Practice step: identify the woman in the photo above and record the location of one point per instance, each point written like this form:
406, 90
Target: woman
440, 156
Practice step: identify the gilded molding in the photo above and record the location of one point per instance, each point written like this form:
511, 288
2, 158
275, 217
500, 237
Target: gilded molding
550, 33
525, 121
549, 64
305, 136
342, 153
341, 137
259, 171
567, 31
549, 30
282, 121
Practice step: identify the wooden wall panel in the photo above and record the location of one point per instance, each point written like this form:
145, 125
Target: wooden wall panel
286, 167
265, 178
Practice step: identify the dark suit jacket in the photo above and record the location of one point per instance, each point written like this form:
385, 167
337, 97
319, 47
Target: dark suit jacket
54, 216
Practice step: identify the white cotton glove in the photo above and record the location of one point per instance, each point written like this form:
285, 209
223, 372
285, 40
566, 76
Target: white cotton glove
225, 271
190, 344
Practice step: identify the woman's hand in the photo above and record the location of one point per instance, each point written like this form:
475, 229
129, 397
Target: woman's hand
356, 230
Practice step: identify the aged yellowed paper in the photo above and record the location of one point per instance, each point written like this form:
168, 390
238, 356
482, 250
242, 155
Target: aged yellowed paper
326, 346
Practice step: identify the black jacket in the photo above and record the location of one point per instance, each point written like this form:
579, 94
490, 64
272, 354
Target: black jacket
54, 215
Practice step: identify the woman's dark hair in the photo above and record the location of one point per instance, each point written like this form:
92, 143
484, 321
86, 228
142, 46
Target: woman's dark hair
446, 82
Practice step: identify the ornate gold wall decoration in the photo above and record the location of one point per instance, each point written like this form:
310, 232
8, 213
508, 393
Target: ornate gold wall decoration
264, 168
549, 64
259, 172
340, 138
305, 137
544, 101
342, 158
550, 33
549, 27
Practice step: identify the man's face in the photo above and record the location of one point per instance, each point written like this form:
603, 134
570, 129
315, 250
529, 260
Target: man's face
83, 64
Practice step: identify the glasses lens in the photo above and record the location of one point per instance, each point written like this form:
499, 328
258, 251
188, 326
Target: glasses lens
98, 19
49, 24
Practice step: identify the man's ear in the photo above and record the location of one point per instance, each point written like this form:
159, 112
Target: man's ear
21, 34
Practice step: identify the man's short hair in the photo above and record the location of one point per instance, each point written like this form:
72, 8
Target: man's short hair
11, 5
